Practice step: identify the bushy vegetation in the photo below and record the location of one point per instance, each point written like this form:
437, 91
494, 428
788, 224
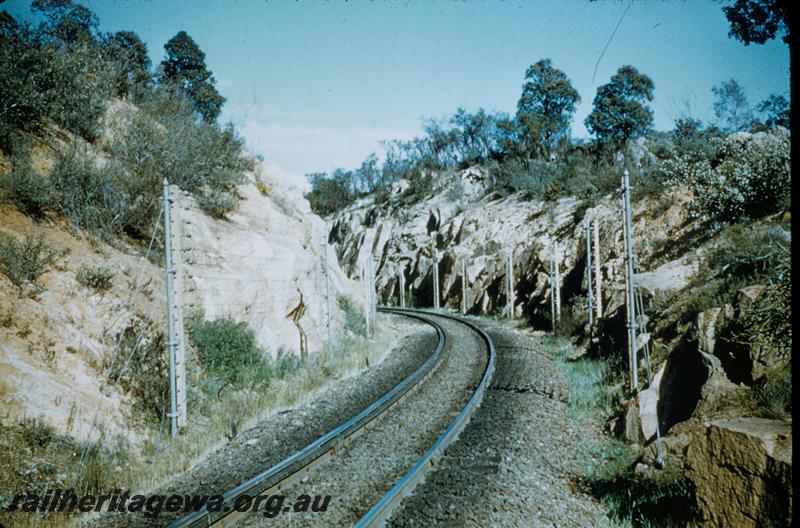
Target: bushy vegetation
64, 72
354, 321
24, 260
742, 179
229, 351
774, 392
83, 193
139, 366
732, 178
746, 255
163, 140
38, 459
658, 499
97, 278
532, 151
54, 72
26, 189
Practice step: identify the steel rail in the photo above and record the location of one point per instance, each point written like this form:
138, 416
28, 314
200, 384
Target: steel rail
283, 473
382, 510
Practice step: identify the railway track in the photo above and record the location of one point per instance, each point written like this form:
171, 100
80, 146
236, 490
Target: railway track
373, 460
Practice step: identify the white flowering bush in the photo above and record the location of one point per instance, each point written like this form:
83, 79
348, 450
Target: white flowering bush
747, 177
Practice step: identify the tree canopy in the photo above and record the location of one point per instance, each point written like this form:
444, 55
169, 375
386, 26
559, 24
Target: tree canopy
129, 54
67, 23
757, 21
184, 67
620, 112
776, 111
545, 108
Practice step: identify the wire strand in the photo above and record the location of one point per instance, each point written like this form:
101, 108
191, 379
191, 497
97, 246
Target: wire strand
109, 371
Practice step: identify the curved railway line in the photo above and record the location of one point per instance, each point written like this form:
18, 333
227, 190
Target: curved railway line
372, 461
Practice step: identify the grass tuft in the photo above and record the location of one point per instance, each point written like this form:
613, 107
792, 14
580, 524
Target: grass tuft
651, 499
24, 261
97, 278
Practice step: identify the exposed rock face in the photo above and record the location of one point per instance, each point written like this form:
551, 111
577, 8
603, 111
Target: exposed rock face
690, 378
709, 324
458, 222
56, 349
744, 358
742, 471
668, 278
255, 266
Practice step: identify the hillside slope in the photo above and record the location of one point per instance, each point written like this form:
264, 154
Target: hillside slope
716, 298
58, 345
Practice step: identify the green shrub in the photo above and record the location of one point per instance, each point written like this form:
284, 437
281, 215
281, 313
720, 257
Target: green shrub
98, 278
163, 140
354, 321
229, 351
592, 392
24, 261
139, 365
774, 392
45, 81
63, 71
216, 203
664, 499
29, 191
75, 86
85, 194
37, 459
746, 178
286, 364
746, 255
747, 251
513, 176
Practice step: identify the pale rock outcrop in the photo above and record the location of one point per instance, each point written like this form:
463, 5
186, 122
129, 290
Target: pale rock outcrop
458, 221
58, 348
668, 278
254, 267
709, 324
648, 406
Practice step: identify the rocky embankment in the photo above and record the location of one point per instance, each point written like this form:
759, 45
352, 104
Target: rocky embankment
704, 379
61, 338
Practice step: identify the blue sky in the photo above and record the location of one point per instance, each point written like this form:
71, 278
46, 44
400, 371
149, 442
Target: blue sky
313, 85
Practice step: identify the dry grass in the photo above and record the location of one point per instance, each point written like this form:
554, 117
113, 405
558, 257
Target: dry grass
217, 420
210, 427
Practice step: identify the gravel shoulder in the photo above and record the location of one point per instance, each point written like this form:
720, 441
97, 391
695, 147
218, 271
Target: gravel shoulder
282, 434
515, 462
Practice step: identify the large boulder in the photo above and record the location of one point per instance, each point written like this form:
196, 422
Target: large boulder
679, 386
742, 472
691, 382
